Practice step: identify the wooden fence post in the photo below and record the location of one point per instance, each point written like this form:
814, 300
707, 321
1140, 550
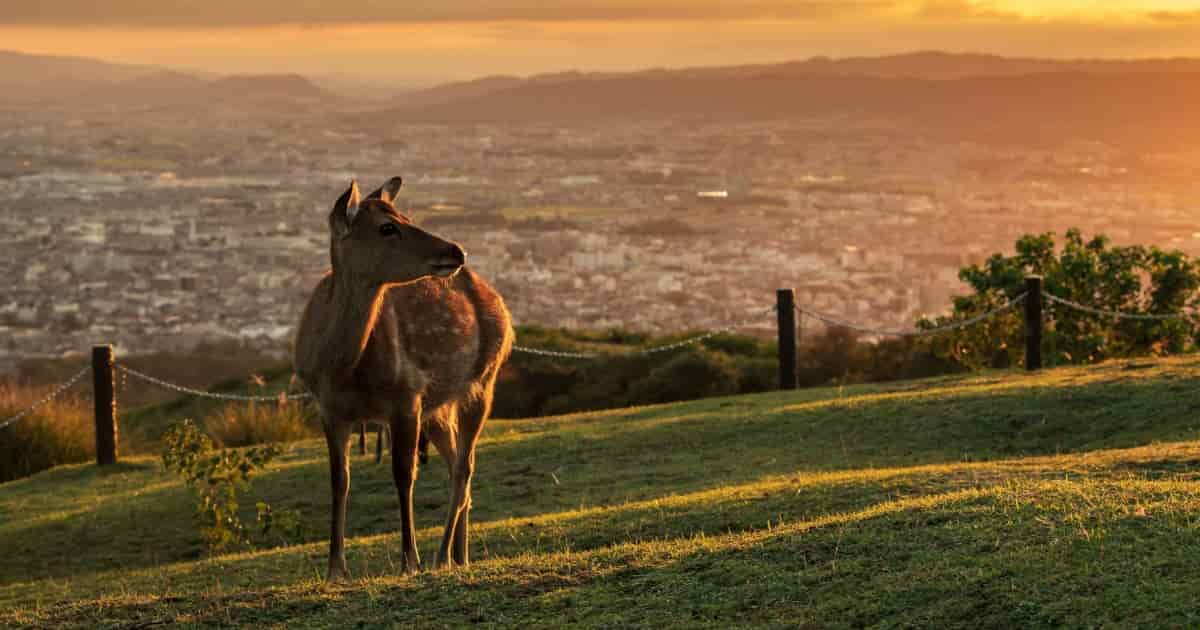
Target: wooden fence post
104, 393
1033, 323
785, 304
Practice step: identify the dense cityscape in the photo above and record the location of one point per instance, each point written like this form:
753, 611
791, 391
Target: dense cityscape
163, 229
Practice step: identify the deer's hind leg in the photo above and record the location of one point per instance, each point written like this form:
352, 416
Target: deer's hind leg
459, 549
385, 433
473, 418
469, 423
443, 432
405, 434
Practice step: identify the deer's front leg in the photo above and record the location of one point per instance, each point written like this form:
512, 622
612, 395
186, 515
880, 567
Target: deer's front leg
406, 434
337, 437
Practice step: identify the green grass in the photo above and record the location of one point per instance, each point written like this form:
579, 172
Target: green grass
1067, 499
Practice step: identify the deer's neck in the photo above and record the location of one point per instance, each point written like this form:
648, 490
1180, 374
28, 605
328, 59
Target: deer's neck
355, 311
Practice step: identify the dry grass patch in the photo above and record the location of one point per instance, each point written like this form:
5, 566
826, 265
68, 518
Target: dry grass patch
58, 432
246, 424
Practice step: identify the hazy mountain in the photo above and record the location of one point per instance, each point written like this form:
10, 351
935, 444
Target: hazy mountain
273, 92
932, 66
459, 90
23, 69
153, 88
258, 92
941, 66
70, 79
1140, 108
26, 77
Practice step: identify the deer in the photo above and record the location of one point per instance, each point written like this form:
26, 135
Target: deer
401, 333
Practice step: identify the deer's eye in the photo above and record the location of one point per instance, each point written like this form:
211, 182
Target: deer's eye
389, 229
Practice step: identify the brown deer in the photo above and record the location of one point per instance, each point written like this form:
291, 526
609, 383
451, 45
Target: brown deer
402, 334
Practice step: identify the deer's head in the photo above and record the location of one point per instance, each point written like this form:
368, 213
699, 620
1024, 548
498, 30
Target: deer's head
374, 244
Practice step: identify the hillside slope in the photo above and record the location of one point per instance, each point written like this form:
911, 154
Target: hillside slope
1067, 498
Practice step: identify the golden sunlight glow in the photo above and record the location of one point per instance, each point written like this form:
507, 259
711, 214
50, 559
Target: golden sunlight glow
1125, 8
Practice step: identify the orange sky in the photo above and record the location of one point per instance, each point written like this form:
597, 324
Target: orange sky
466, 38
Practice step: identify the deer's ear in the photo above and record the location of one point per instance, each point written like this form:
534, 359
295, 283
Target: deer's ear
388, 191
344, 211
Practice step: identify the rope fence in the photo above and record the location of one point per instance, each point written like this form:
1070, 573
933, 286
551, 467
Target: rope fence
790, 315
927, 332
645, 351
206, 394
1115, 314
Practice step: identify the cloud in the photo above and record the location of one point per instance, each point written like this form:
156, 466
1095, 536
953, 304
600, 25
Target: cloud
231, 13
1174, 17
959, 10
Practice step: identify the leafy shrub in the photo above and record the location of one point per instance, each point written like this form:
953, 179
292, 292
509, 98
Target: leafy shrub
59, 432
527, 383
1132, 279
695, 374
757, 375
247, 424
285, 524
605, 383
214, 479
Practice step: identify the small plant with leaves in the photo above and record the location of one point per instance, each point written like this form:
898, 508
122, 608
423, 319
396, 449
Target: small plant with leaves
282, 523
215, 477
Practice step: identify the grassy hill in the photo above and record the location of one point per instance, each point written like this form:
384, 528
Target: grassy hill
1067, 498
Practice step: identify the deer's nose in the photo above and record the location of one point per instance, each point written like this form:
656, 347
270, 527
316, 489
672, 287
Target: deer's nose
458, 254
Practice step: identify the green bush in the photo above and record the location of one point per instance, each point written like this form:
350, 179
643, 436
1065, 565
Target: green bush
757, 375
1131, 279
59, 432
695, 374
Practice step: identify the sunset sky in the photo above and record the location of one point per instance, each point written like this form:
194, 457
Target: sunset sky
453, 39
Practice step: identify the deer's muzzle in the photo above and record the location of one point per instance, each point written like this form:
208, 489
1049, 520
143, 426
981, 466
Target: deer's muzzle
450, 262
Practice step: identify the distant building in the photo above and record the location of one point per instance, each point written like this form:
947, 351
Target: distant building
580, 180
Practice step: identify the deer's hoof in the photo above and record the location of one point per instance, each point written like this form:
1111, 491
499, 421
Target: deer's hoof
337, 572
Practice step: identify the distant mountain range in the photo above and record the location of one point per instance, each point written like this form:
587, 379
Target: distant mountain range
931, 65
32, 78
271, 92
1146, 103
1143, 103
22, 69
